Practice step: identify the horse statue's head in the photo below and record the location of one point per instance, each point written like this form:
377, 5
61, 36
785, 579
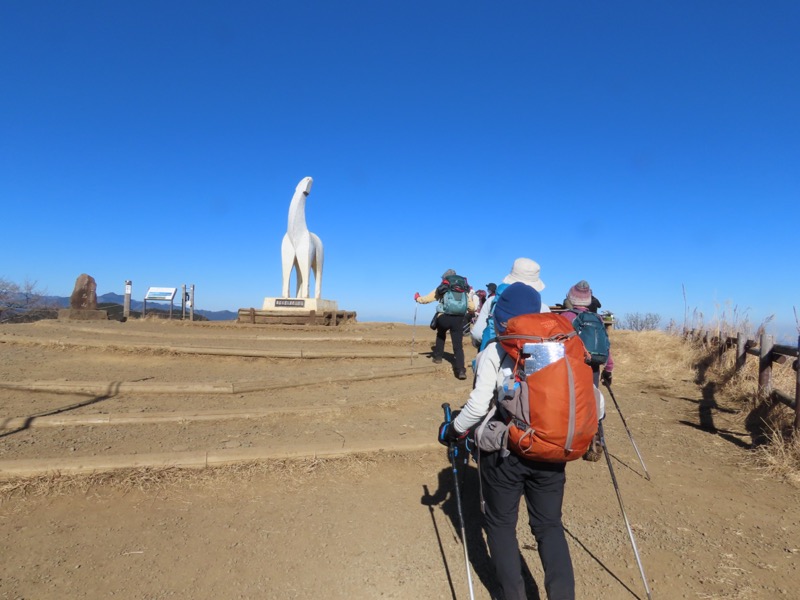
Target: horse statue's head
304, 185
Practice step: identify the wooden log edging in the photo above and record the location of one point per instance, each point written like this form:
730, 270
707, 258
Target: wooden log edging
213, 351
240, 387
201, 459
62, 420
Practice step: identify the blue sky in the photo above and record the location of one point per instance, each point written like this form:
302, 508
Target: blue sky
648, 147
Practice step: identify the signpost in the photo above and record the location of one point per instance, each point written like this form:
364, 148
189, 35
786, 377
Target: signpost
126, 307
187, 301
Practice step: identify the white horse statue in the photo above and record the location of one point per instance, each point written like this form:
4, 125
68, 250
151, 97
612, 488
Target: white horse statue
301, 249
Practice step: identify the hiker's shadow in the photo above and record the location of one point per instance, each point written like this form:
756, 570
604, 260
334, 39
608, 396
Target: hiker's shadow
447, 357
706, 407
478, 552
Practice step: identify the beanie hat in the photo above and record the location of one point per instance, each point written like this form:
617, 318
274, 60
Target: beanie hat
448, 273
580, 294
525, 271
517, 299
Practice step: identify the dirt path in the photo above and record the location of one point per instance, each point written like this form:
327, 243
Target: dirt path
377, 525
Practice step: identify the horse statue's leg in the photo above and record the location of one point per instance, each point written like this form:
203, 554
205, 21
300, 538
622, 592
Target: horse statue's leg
287, 262
303, 262
317, 260
301, 282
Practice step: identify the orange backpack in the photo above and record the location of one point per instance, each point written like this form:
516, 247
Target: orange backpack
550, 406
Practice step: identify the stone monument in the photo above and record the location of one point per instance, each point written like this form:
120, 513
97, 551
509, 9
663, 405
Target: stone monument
83, 302
302, 252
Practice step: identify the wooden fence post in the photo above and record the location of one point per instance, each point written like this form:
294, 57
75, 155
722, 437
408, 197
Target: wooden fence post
741, 351
765, 366
797, 389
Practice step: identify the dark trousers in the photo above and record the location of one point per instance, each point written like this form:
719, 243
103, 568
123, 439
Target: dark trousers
505, 481
455, 325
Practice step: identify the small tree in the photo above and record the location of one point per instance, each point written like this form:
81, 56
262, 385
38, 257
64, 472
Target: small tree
640, 322
16, 299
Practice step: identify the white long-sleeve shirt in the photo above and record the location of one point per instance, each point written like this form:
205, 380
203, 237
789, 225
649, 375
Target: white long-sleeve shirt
480, 323
489, 370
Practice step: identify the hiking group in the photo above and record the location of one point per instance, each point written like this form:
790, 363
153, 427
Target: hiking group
534, 406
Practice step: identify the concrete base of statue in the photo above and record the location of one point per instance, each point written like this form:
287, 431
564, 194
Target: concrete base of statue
296, 311
83, 314
300, 305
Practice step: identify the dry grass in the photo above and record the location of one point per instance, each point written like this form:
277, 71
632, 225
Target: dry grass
656, 356
781, 456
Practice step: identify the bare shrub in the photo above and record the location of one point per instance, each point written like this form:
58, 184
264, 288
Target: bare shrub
18, 300
640, 322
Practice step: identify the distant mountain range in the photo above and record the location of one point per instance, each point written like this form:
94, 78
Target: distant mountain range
111, 298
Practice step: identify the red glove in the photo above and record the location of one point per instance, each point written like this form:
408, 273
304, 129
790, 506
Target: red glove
416, 296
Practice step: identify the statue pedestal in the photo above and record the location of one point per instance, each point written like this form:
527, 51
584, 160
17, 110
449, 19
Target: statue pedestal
83, 314
296, 311
301, 306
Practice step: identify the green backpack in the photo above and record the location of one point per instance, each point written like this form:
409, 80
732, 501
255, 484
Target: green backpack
452, 294
592, 331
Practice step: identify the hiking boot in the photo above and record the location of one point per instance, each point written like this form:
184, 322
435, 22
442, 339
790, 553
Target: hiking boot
595, 451
461, 374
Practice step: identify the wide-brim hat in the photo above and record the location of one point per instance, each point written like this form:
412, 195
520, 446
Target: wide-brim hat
525, 271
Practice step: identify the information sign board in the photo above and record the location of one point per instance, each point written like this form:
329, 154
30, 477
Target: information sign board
161, 293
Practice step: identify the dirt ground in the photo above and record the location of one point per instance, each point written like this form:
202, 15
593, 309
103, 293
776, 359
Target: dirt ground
376, 517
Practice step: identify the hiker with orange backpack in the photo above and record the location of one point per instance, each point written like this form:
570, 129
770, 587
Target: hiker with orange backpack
530, 422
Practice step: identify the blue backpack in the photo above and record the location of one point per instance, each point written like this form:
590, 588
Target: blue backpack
489, 332
593, 334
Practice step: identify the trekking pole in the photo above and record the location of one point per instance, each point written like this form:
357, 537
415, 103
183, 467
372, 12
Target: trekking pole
630, 435
414, 332
451, 452
622, 509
